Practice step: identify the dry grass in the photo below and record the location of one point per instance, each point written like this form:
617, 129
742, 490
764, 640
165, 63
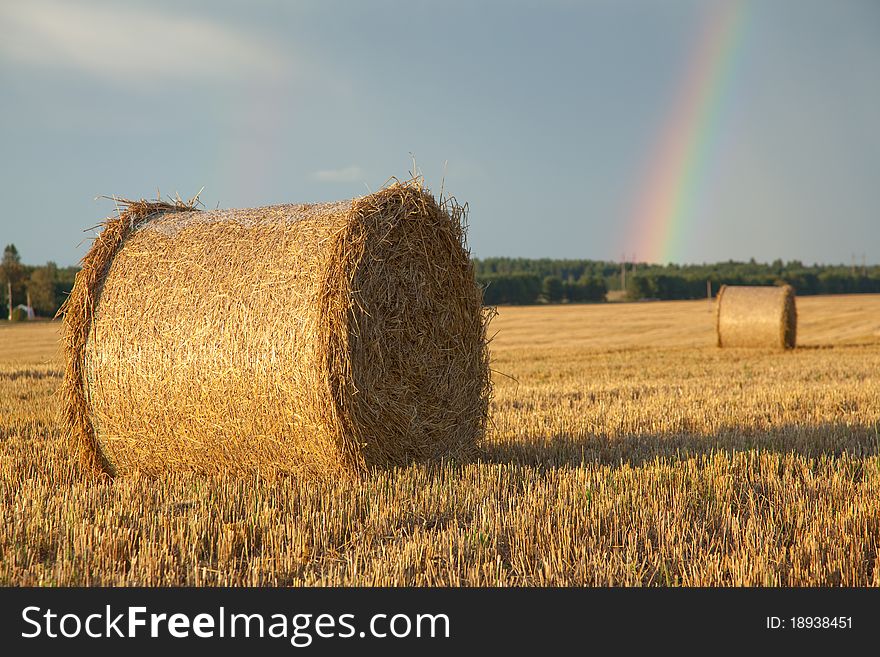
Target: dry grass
626, 450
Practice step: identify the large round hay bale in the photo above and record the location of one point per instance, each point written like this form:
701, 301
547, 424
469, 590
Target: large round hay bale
756, 316
294, 338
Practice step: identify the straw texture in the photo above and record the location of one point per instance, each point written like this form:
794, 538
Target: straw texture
309, 339
756, 316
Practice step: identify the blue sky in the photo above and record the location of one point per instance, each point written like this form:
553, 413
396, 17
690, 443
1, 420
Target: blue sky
539, 114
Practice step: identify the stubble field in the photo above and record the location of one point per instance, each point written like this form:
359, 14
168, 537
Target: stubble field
624, 449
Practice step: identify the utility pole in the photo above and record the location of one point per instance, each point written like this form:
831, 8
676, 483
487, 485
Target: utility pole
9, 297
623, 273
864, 266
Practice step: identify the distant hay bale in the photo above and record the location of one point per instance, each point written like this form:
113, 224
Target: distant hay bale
312, 339
754, 316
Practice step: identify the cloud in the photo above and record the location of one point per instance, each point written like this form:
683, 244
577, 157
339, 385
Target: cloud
131, 45
345, 174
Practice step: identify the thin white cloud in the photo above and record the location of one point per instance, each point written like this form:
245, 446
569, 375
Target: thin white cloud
345, 174
132, 45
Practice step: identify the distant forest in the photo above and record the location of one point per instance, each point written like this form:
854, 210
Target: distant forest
524, 281
46, 286
527, 281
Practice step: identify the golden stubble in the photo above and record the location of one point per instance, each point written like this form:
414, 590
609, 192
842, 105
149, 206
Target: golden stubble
623, 448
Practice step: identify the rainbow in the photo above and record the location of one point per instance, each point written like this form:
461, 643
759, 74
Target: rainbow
665, 209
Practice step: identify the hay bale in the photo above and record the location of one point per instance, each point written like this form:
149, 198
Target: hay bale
295, 338
756, 316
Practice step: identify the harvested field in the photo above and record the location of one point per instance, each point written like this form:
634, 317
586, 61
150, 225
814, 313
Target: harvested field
623, 448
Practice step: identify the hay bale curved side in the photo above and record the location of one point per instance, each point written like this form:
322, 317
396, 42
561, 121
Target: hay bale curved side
756, 316
78, 311
311, 338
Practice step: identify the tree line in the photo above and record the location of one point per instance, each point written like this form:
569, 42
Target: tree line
690, 282
46, 286
525, 281
529, 281
523, 289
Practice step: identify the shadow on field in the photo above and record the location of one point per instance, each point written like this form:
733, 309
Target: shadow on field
34, 373
810, 441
